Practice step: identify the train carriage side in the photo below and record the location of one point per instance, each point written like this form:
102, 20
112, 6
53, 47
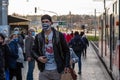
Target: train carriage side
109, 43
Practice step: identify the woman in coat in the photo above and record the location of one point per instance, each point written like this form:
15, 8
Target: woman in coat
15, 64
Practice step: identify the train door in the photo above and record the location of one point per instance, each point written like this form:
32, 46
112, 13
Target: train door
101, 24
115, 57
111, 40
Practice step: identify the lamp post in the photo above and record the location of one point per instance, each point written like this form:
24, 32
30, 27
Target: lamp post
49, 12
53, 13
3, 12
95, 24
46, 11
119, 24
0, 12
4, 28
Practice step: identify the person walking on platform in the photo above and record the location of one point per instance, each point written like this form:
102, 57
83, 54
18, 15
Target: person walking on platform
86, 43
77, 45
51, 51
29, 42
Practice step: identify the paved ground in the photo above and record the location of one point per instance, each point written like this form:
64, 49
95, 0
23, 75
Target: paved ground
92, 68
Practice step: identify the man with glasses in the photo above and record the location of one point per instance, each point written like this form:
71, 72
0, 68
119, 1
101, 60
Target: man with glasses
52, 55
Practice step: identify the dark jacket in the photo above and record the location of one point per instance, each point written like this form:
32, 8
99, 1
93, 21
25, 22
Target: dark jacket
2, 63
14, 54
61, 50
4, 55
74, 41
29, 42
86, 42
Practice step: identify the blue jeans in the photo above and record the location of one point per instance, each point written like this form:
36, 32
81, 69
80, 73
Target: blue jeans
79, 62
31, 65
7, 74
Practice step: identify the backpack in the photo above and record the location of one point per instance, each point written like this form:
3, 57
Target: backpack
77, 45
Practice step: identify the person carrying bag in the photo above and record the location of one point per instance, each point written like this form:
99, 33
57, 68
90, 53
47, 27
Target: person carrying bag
72, 74
66, 76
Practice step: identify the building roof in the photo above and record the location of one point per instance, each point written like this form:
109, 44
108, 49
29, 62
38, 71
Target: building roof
14, 19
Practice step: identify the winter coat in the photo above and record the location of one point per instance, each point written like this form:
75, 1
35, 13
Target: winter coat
29, 42
86, 42
61, 51
14, 54
4, 55
76, 40
2, 63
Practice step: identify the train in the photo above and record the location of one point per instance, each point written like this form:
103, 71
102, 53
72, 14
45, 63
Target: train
109, 38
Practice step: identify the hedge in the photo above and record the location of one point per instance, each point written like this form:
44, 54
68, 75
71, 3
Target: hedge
93, 38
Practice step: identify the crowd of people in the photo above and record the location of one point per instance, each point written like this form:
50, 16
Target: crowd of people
55, 52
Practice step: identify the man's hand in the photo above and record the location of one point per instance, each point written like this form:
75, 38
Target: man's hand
42, 59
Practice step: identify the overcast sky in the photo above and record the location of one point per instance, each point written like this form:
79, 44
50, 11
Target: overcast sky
60, 7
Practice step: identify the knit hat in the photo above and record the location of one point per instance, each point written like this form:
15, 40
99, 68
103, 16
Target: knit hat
46, 17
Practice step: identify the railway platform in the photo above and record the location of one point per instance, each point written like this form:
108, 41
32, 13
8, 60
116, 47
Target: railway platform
92, 68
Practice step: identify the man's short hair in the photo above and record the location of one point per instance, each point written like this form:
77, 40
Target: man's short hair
76, 33
46, 16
